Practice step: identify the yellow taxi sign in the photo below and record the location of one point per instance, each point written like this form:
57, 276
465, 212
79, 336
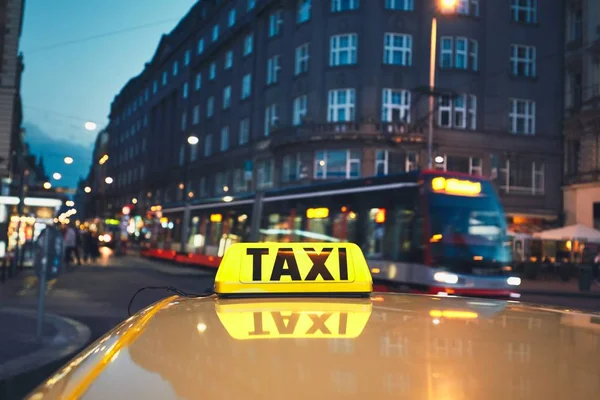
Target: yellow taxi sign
294, 320
293, 268
456, 186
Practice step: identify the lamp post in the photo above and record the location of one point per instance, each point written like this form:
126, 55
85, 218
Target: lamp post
188, 195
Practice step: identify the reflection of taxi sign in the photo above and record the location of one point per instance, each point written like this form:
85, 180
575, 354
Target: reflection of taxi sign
456, 186
296, 320
293, 268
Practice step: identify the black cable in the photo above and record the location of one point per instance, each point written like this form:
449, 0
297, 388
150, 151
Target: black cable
169, 289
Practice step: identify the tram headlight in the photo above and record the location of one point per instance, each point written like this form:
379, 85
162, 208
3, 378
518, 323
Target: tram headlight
446, 277
514, 281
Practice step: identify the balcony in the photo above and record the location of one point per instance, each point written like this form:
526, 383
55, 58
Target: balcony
398, 133
583, 177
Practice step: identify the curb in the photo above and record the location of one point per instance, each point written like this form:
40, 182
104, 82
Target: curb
589, 295
72, 336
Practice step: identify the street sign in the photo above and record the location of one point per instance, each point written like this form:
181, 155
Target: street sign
49, 256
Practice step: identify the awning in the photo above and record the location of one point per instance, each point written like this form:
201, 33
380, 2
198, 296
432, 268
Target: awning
572, 232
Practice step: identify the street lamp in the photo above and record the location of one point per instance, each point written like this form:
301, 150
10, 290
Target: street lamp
56, 176
47, 185
193, 140
108, 180
90, 126
103, 159
87, 189
134, 201
68, 160
445, 6
439, 160
69, 203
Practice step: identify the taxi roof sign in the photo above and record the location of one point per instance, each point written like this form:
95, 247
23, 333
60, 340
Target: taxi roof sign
293, 269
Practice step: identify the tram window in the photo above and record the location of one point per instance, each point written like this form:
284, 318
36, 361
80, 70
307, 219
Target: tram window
345, 226
375, 232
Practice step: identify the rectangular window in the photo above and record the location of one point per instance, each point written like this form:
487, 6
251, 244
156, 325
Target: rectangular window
264, 174
154, 86
229, 59
411, 162
303, 14
522, 60
248, 44
343, 49
184, 121
273, 68
164, 78
145, 120
202, 187
184, 90
400, 5
220, 182
244, 131
459, 53
468, 7
200, 46
212, 71
396, 105
343, 5
231, 17
246, 86
457, 113
300, 105
275, 22
175, 68
522, 116
208, 145
182, 154
524, 11
522, 177
146, 94
341, 105
290, 168
186, 58
198, 83
224, 138
226, 97
381, 162
215, 33
250, 5
302, 57
210, 106
397, 49
337, 164
446, 52
239, 182
196, 115
271, 118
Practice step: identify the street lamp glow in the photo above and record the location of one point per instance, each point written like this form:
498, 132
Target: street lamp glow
103, 159
87, 189
227, 199
108, 180
56, 176
68, 160
448, 5
193, 140
70, 203
47, 185
90, 126
439, 160
226, 189
134, 201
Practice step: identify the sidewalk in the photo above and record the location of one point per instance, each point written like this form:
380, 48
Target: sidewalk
557, 288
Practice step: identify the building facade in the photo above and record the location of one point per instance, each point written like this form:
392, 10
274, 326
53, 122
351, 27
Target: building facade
582, 113
286, 92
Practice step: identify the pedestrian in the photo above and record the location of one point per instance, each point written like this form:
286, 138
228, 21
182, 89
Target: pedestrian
71, 245
88, 243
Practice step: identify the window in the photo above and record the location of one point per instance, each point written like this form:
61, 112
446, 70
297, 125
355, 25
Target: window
146, 94
457, 113
196, 115
145, 120
302, 56
290, 168
468, 7
175, 68
229, 59
184, 121
210, 107
341, 105
397, 49
239, 181
226, 97
524, 11
343, 49
208, 145
212, 71
248, 44
381, 162
522, 60
198, 81
202, 187
275, 22
303, 11
154, 86
224, 138
522, 177
271, 118
337, 164
194, 152
246, 86
343, 5
164, 78
411, 162
264, 174
231, 17
400, 5
460, 55
396, 105
522, 116
463, 164
215, 33
244, 131
220, 182
201, 46
184, 90
186, 58
182, 154
250, 5
273, 68
300, 104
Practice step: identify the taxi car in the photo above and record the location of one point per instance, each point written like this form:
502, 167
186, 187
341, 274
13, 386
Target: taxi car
300, 321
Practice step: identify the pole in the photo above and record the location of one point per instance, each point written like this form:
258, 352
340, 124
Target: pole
17, 256
256, 216
186, 211
45, 259
431, 90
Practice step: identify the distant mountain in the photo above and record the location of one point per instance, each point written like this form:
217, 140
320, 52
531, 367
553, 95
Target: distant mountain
54, 149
